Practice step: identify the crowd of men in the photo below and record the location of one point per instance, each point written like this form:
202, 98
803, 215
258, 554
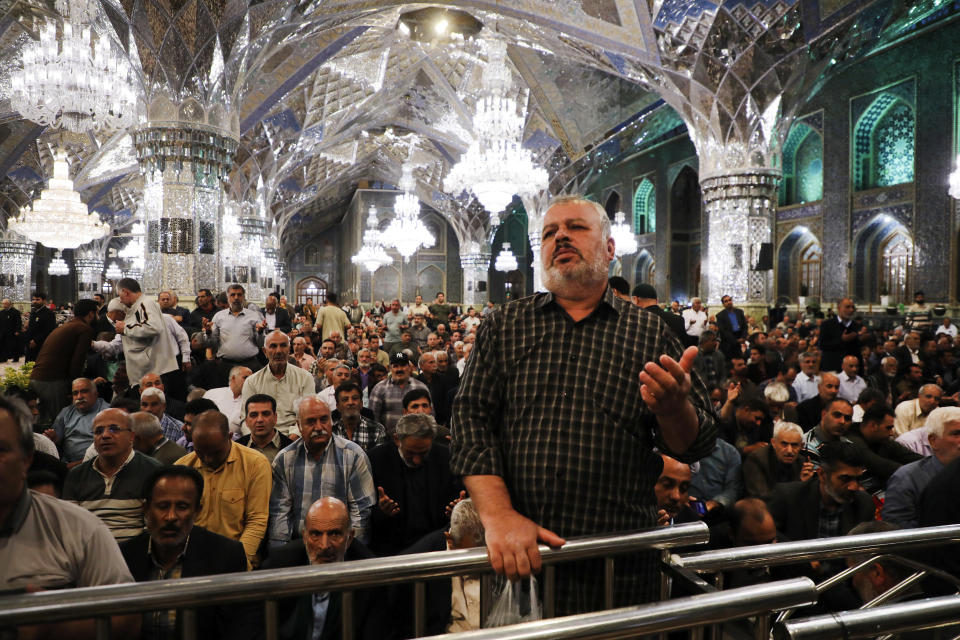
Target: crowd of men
231, 437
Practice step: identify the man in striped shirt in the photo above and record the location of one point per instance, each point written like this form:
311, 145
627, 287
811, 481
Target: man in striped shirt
318, 465
109, 484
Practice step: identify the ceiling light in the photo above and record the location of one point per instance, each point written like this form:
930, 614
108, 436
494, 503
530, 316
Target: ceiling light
57, 266
506, 261
406, 231
440, 27
623, 238
372, 255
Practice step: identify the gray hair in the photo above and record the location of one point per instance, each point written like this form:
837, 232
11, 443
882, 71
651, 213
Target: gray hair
787, 427
87, 381
809, 354
116, 305
145, 425
416, 425
939, 418
153, 391
930, 384
464, 520
887, 358
21, 415
267, 337
298, 404
236, 371
776, 392
579, 199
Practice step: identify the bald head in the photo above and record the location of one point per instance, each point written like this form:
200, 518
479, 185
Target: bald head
327, 532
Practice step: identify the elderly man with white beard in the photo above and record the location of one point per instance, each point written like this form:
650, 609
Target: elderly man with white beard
554, 371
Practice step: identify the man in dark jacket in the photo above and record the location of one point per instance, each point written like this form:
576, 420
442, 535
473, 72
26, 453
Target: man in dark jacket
882, 455
732, 327
172, 547
328, 537
415, 486
11, 326
840, 336
766, 467
827, 505
645, 297
41, 323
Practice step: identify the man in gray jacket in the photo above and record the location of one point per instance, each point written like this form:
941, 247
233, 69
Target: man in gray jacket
147, 345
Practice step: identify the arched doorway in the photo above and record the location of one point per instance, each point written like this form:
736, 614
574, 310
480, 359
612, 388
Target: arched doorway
311, 287
683, 280
798, 265
884, 261
645, 269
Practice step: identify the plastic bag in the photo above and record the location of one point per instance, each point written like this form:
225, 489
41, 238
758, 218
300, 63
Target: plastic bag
515, 604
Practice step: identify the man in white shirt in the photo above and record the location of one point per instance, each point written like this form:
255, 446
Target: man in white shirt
336, 376
228, 399
948, 328
808, 380
695, 318
912, 414
850, 383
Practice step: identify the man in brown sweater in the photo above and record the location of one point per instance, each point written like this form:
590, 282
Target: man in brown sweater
61, 359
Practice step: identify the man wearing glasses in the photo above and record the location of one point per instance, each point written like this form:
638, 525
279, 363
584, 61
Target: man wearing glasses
109, 484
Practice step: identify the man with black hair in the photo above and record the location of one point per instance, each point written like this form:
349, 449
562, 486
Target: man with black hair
62, 359
260, 418
620, 286
882, 455
173, 547
203, 314
352, 424
147, 344
331, 318
190, 412
827, 505
40, 324
645, 297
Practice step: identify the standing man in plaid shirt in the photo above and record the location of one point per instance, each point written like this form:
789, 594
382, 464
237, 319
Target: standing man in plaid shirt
562, 403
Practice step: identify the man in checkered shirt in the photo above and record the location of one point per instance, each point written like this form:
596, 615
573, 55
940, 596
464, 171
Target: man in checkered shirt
562, 402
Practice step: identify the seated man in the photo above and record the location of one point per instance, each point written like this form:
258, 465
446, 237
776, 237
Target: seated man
316, 466
78, 550
109, 484
154, 401
810, 410
261, 422
912, 414
749, 523
827, 505
228, 398
149, 440
415, 488
236, 483
174, 407
172, 547
352, 424
765, 468
673, 492
336, 375
193, 409
881, 454
835, 420
904, 489
72, 430
327, 537
717, 482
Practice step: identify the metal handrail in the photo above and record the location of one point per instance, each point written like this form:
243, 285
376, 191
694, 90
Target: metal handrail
868, 623
680, 613
766, 555
53, 606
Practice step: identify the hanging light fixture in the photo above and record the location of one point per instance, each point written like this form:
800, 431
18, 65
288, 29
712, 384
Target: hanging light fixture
406, 232
113, 272
58, 218
506, 261
58, 267
623, 238
495, 165
74, 81
372, 255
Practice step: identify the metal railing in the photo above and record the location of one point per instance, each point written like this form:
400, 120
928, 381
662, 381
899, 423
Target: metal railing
671, 615
916, 615
766, 555
103, 602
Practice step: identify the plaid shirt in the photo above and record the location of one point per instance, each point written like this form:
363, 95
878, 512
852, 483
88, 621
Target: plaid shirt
554, 408
299, 481
368, 433
171, 427
386, 400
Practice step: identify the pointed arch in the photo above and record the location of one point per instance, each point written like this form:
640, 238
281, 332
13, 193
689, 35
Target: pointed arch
799, 262
429, 280
884, 261
883, 141
802, 166
311, 287
645, 269
645, 207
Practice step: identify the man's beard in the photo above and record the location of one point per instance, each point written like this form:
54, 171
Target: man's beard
235, 307
573, 280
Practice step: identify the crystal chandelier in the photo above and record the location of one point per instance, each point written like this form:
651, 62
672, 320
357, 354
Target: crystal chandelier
623, 238
496, 166
113, 272
506, 261
372, 255
406, 231
58, 218
75, 81
57, 266
955, 181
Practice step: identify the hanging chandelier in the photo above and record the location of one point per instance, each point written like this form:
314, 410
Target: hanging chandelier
372, 255
496, 166
113, 272
623, 238
406, 232
58, 267
58, 218
74, 81
506, 261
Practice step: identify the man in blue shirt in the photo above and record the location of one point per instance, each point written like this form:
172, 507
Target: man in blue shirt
72, 430
732, 327
905, 487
